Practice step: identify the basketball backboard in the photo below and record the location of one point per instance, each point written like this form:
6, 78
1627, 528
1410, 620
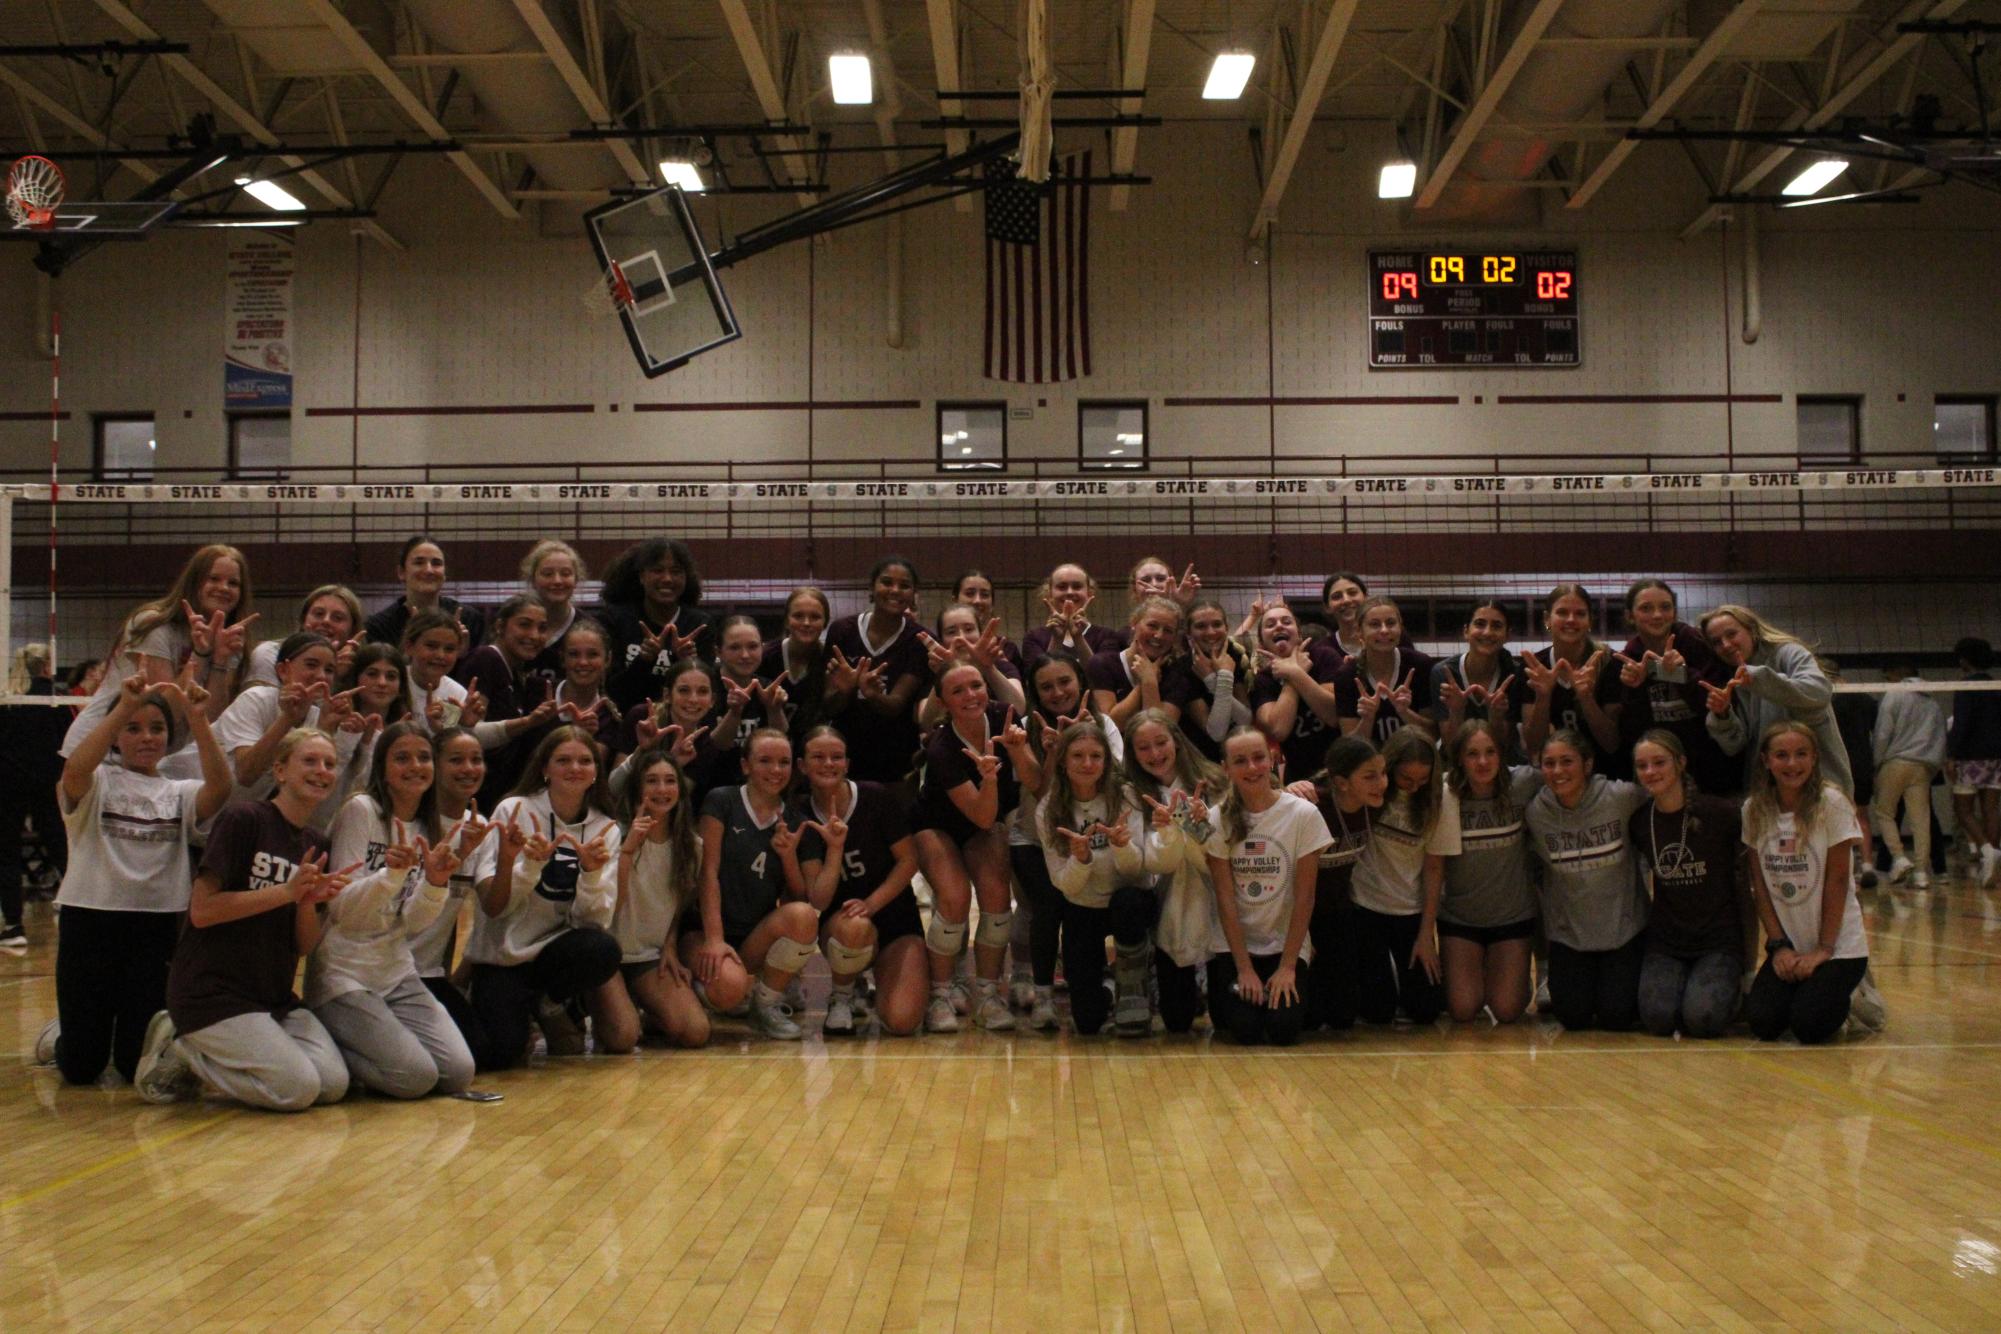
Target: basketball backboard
677, 308
100, 219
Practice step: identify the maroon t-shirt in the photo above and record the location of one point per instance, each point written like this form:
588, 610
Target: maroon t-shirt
1305, 749
245, 966
1040, 642
1354, 678
1109, 671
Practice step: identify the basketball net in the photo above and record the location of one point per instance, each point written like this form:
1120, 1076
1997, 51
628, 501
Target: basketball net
610, 294
34, 190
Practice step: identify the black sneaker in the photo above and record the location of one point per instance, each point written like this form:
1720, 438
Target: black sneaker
12, 937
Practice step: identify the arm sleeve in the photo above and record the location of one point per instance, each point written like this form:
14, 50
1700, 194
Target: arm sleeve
597, 891
1130, 861
1727, 730
1793, 679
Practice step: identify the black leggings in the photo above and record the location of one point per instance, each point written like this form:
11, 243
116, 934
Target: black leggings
1812, 1011
1386, 979
1129, 920
460, 1009
111, 979
1045, 911
1248, 1023
21, 798
1597, 988
1331, 1001
503, 998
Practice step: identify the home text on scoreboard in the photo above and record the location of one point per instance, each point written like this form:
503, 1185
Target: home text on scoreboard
1441, 309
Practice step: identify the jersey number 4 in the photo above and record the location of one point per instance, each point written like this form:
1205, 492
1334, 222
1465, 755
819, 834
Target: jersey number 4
757, 866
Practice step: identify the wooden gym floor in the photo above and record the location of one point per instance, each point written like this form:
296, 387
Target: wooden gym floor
1475, 1178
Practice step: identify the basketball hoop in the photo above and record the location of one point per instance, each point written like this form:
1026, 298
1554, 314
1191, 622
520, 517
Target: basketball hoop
34, 190
610, 294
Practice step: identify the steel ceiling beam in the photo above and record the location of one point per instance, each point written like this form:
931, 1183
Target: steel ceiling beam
1859, 75
72, 122
1325, 51
375, 67
1137, 49
1467, 131
580, 86
764, 82
1712, 48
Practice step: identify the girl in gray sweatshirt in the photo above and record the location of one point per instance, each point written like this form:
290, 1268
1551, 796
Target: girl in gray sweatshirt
1777, 680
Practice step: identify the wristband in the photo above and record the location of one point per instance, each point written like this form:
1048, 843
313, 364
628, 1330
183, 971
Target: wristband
1777, 943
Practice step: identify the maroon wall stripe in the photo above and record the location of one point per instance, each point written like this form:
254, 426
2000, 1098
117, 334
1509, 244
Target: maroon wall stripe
457, 410
1355, 401
41, 416
785, 405
1640, 398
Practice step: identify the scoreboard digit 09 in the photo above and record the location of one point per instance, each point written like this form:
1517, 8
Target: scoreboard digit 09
1440, 309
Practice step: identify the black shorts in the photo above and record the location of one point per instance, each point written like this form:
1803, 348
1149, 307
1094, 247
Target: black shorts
894, 922
1484, 936
632, 972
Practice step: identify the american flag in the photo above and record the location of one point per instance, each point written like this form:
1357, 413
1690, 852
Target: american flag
1038, 273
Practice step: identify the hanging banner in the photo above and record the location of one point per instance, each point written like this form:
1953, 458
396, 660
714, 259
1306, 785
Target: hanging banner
257, 337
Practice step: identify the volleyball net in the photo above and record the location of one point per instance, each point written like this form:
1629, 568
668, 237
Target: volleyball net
1862, 562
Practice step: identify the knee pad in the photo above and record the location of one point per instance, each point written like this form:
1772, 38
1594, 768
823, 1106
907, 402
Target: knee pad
943, 937
993, 930
847, 960
787, 955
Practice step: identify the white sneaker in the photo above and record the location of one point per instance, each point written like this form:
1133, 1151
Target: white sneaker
795, 993
771, 1016
45, 1045
940, 1016
162, 1076
962, 996
1990, 862
1543, 1005
1866, 1008
1900, 866
562, 1035
1921, 880
840, 1020
1042, 1013
1021, 990
992, 1013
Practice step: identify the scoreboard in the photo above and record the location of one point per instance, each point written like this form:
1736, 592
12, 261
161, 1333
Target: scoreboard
1494, 308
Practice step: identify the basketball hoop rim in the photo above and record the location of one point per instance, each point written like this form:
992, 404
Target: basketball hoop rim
35, 190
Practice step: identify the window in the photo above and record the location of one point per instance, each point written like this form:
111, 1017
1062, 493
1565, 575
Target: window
1111, 436
972, 437
1963, 427
1830, 429
123, 448
260, 445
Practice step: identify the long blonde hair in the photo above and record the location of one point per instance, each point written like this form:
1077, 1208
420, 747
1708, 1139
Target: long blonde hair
1761, 811
150, 616
30, 661
1763, 632
1235, 822
1191, 767
1059, 800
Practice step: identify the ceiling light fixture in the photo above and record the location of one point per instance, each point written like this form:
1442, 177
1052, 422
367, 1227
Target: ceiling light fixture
1397, 181
1228, 74
681, 172
270, 195
1815, 177
853, 80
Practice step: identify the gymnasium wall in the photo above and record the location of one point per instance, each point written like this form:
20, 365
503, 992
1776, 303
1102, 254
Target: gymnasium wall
470, 353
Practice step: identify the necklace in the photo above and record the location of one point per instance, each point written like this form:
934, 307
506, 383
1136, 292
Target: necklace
1654, 838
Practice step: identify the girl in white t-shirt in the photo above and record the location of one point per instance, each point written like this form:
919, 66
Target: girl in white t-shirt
1802, 833
1263, 859
1094, 842
128, 880
659, 861
1397, 885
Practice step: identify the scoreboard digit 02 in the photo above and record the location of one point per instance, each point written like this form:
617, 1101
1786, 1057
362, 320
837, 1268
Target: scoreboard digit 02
1442, 309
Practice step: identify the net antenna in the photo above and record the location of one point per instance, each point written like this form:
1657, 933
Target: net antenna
35, 190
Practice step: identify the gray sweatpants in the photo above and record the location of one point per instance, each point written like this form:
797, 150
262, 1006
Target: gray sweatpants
1697, 996
402, 1045
280, 1064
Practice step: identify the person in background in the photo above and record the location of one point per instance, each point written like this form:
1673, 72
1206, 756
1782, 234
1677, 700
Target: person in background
421, 567
31, 735
83, 678
1973, 748
1908, 742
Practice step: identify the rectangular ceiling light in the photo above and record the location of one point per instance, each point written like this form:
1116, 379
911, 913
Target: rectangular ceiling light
1815, 177
270, 195
854, 84
679, 171
1397, 181
1228, 74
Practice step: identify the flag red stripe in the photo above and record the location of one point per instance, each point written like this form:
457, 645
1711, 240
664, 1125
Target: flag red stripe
1083, 276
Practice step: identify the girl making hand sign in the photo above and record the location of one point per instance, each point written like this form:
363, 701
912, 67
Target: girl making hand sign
232, 1021
1263, 860
659, 864
859, 858
1094, 840
1174, 782
547, 881
362, 980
